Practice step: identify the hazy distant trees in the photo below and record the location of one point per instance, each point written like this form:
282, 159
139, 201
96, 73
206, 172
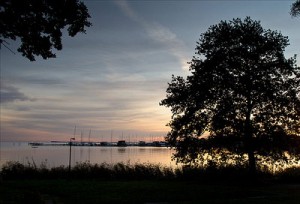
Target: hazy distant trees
243, 92
39, 24
295, 9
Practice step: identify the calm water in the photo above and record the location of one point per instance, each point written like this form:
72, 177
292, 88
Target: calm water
59, 155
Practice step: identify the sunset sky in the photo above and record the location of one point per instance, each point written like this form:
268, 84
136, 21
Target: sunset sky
111, 79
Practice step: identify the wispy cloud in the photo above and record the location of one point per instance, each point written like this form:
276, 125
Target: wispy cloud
158, 33
120, 103
10, 93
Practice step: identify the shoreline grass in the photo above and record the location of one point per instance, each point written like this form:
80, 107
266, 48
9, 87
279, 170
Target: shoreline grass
86, 170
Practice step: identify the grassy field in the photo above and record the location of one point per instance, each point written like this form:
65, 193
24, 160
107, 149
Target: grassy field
145, 191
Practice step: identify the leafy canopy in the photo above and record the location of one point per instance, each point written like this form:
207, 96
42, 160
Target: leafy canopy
295, 9
39, 24
242, 91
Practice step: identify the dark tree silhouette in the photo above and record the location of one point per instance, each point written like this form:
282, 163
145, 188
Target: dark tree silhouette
39, 24
242, 91
295, 9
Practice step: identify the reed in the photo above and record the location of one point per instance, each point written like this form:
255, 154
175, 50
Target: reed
87, 170
138, 171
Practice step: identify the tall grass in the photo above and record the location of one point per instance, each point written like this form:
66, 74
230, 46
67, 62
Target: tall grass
87, 170
138, 171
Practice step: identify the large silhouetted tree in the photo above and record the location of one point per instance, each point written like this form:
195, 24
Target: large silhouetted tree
39, 24
242, 91
295, 9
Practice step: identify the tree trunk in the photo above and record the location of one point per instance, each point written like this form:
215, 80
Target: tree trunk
249, 142
252, 163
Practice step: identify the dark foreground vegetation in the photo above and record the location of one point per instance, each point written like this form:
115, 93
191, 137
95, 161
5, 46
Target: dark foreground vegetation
145, 183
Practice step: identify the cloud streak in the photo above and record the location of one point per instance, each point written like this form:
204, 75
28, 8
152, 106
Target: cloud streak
119, 102
11, 94
158, 33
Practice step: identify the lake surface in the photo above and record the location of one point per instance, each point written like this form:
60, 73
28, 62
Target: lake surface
59, 155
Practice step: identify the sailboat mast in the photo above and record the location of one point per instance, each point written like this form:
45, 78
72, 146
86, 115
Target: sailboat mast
90, 136
74, 131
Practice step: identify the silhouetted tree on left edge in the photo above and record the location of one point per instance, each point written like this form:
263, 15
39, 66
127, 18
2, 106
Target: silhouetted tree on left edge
39, 23
243, 92
295, 9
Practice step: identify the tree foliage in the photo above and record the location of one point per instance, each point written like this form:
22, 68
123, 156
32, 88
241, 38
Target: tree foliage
295, 9
243, 92
39, 24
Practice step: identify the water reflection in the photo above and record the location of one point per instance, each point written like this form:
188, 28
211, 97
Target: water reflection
120, 150
59, 155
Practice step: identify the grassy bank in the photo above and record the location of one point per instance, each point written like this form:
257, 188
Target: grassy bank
145, 183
